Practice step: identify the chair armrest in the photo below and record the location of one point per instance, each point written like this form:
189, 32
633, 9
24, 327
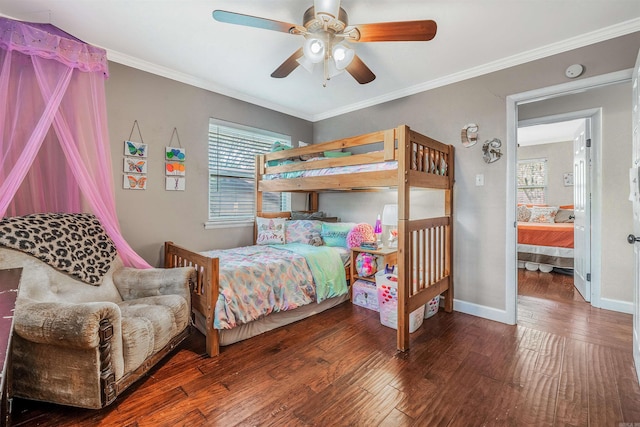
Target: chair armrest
134, 283
64, 324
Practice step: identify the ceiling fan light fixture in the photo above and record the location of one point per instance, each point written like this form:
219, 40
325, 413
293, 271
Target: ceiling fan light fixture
342, 55
314, 49
306, 63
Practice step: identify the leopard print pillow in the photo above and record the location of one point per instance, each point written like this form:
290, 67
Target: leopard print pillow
72, 243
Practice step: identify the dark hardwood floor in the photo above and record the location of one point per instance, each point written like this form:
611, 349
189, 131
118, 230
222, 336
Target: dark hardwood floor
564, 364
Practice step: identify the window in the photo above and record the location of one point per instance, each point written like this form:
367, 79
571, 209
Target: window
232, 152
532, 181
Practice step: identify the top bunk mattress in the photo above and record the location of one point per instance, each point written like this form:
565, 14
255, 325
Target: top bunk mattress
350, 169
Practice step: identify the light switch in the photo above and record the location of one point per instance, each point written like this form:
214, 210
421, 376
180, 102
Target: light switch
479, 180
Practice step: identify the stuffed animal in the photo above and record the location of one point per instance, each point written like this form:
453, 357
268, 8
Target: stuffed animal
362, 232
277, 146
366, 264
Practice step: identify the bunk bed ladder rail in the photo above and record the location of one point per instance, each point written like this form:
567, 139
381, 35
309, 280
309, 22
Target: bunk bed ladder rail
203, 291
426, 272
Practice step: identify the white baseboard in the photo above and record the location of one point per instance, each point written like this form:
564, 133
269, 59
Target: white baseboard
481, 311
616, 305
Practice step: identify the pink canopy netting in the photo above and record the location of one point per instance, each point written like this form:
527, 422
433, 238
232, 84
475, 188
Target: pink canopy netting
54, 143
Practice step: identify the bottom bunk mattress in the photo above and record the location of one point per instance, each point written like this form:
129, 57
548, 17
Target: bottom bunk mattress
270, 322
544, 244
261, 280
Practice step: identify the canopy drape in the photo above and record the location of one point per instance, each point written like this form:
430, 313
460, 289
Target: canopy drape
54, 140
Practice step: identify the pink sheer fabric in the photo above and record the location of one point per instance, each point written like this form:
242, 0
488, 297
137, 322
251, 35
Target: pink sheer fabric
54, 146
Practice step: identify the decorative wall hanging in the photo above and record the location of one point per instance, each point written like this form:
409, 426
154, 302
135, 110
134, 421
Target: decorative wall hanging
134, 182
568, 179
132, 165
174, 167
469, 135
491, 150
174, 183
135, 162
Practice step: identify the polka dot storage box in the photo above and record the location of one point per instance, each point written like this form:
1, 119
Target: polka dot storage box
387, 285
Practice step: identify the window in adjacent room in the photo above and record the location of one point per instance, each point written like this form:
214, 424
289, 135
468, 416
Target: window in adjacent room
232, 152
532, 181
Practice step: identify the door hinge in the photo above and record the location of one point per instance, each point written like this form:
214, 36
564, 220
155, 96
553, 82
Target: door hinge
588, 277
588, 142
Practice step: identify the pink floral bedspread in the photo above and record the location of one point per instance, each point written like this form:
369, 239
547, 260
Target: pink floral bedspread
258, 280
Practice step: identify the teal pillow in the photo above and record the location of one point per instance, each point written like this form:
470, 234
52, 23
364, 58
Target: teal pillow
337, 153
335, 233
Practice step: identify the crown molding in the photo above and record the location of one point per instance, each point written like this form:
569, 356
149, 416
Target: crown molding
185, 78
586, 39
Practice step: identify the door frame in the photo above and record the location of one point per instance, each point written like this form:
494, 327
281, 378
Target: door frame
512, 103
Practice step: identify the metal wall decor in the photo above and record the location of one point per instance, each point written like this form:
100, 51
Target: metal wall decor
469, 135
491, 150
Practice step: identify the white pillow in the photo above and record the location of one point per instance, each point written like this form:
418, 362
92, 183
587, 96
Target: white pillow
270, 231
545, 214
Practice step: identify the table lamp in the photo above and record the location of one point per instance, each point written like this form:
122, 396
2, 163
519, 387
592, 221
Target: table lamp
390, 219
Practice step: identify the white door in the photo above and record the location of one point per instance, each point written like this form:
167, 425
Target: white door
634, 179
582, 210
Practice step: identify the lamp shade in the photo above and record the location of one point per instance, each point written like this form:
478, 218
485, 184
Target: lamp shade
390, 215
313, 49
342, 55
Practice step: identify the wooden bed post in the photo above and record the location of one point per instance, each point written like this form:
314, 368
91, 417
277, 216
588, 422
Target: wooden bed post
260, 165
448, 211
314, 201
404, 260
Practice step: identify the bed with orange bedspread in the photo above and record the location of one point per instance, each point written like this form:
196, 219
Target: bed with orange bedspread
545, 246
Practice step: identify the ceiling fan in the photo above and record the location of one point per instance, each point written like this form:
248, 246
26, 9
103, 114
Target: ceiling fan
327, 35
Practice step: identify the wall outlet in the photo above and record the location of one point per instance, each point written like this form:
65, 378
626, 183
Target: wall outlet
479, 180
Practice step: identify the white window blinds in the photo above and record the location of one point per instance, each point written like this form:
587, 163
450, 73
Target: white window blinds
532, 181
232, 151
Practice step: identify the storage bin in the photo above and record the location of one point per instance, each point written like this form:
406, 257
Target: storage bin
387, 285
365, 294
431, 307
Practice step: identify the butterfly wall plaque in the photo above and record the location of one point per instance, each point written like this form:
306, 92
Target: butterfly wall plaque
137, 149
132, 165
134, 182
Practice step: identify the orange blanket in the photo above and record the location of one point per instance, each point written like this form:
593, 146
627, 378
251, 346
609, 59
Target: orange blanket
543, 234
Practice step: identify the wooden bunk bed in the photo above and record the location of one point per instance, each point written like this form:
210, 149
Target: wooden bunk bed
425, 246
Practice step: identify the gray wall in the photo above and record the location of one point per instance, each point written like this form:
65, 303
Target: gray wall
480, 212
148, 218
559, 157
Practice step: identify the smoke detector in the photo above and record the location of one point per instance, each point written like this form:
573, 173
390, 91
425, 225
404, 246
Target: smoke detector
574, 71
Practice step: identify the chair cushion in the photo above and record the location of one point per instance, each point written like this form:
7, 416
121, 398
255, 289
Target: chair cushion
72, 243
159, 317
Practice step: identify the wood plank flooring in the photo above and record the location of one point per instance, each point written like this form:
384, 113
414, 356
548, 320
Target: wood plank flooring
564, 364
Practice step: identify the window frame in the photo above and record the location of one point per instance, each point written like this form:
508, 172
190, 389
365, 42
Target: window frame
523, 188
237, 130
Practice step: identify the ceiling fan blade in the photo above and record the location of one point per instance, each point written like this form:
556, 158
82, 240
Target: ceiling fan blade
253, 21
288, 65
397, 31
360, 71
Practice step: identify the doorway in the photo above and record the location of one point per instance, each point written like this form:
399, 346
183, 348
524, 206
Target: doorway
535, 104
554, 201
553, 175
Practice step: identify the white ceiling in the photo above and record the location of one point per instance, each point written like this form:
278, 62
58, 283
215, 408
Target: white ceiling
548, 133
179, 39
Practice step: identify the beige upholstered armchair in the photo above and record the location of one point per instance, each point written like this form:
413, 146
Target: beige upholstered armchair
85, 326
